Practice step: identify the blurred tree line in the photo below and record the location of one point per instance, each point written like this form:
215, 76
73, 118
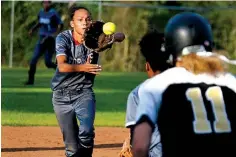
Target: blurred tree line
134, 22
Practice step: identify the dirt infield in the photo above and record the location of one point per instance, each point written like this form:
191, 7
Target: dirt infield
47, 141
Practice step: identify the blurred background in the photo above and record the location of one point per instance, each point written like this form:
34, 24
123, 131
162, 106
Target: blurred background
131, 17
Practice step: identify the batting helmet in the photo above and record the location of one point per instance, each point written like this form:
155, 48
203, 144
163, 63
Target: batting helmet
187, 29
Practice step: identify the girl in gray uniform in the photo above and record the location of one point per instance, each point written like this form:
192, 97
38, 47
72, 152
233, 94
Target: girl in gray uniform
73, 96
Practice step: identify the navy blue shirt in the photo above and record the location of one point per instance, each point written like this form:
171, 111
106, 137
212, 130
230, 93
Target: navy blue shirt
49, 22
75, 54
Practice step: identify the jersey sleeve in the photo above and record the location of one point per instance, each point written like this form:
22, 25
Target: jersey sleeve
60, 45
131, 107
150, 94
149, 104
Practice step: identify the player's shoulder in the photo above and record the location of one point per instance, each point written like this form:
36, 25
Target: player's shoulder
66, 34
179, 75
229, 77
228, 80
41, 11
134, 92
172, 75
52, 10
166, 78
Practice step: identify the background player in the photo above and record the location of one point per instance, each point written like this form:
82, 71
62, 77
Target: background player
193, 104
49, 24
151, 43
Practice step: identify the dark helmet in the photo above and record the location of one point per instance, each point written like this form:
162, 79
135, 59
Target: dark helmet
187, 29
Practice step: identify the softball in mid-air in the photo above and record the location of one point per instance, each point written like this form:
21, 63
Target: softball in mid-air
109, 28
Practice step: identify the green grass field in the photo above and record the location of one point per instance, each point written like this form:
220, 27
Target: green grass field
31, 105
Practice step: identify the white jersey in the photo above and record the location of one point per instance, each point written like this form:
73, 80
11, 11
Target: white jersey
155, 149
150, 93
192, 112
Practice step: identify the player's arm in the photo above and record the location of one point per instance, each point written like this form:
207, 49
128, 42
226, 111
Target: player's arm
35, 27
141, 139
131, 108
62, 64
145, 121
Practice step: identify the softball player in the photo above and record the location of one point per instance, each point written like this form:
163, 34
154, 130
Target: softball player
49, 23
193, 103
73, 96
152, 68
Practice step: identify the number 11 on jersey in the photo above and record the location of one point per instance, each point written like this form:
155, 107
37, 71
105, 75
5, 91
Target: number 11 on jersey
201, 124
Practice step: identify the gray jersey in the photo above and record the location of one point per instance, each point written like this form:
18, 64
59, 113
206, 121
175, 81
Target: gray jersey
132, 104
75, 54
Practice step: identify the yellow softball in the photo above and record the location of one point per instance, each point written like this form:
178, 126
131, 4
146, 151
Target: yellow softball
109, 28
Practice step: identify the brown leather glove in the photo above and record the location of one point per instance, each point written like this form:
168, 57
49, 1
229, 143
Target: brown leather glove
126, 149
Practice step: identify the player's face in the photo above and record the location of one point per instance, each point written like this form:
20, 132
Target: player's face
46, 5
81, 20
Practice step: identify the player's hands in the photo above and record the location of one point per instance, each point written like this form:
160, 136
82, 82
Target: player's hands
90, 68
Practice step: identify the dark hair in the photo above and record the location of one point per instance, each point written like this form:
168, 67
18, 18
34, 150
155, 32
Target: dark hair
74, 8
151, 47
